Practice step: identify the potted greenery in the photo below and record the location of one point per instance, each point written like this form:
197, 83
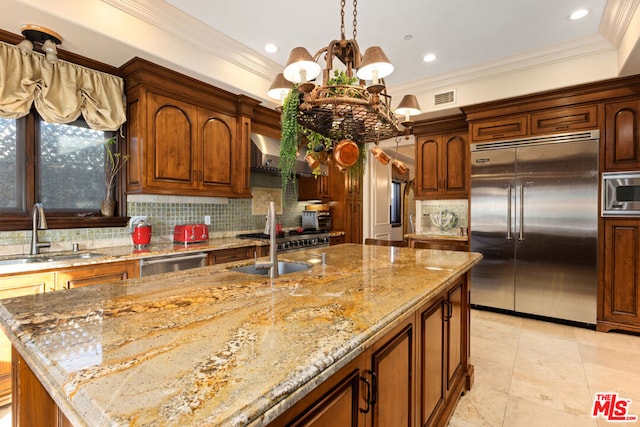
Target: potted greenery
114, 162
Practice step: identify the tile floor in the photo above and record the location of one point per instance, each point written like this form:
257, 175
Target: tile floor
534, 373
531, 373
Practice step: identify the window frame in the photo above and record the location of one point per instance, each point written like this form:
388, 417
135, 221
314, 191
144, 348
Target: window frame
27, 159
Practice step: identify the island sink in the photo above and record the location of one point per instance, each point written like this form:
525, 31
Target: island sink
283, 268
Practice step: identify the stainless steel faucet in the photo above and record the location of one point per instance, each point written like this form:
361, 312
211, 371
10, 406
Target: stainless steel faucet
272, 265
38, 222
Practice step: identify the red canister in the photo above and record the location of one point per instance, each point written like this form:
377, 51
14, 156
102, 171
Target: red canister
141, 233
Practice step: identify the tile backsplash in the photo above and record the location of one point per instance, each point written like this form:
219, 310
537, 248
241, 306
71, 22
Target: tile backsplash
441, 216
163, 212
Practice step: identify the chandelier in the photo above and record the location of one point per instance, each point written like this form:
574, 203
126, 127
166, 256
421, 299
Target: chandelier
345, 106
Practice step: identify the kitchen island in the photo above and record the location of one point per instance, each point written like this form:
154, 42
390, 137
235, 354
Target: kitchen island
211, 346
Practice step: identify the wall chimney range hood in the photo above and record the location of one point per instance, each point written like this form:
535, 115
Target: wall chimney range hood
265, 156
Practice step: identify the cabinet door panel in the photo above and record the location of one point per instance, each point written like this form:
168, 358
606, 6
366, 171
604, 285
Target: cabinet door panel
510, 127
428, 166
621, 271
564, 120
455, 337
393, 367
94, 275
217, 150
622, 135
11, 287
172, 142
431, 388
339, 407
455, 173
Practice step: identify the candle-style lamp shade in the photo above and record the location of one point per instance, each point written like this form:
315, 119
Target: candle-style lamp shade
279, 88
408, 107
301, 67
375, 65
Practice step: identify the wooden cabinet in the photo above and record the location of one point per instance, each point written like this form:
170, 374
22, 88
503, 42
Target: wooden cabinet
11, 287
314, 188
539, 122
96, 274
440, 244
411, 376
560, 120
375, 389
336, 240
622, 136
501, 128
345, 192
619, 293
443, 339
183, 136
442, 166
221, 256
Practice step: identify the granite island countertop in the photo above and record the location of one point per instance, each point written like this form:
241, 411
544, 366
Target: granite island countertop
210, 346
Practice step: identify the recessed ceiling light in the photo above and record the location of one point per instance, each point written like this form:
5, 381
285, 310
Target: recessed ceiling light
578, 14
271, 48
429, 57
408, 37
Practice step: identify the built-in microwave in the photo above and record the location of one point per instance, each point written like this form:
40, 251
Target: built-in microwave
621, 193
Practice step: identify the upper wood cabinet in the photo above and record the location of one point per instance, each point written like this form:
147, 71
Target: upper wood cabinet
185, 137
502, 128
622, 135
541, 122
442, 166
313, 188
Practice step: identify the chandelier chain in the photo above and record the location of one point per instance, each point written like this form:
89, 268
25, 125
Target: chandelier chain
355, 18
342, 19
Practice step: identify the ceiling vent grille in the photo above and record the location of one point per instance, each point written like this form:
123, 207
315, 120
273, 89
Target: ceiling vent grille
448, 97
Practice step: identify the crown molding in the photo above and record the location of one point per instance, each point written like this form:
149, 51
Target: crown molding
167, 18
588, 45
616, 19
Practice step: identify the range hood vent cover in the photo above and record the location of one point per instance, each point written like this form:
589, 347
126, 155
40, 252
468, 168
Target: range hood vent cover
265, 156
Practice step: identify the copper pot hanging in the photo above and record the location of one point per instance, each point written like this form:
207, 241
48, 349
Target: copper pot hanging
379, 154
346, 153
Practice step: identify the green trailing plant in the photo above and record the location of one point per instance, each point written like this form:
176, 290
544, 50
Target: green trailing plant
114, 162
289, 138
358, 169
341, 78
316, 144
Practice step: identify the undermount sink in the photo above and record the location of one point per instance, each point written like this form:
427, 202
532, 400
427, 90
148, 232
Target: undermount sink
29, 259
284, 267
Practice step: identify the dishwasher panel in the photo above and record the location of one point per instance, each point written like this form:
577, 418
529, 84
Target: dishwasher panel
167, 264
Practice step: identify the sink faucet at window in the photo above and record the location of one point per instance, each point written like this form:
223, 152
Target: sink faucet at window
39, 222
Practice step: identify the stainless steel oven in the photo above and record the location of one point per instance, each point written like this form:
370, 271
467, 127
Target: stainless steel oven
621, 193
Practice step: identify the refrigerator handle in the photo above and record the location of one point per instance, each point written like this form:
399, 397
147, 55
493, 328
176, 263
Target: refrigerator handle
509, 235
521, 225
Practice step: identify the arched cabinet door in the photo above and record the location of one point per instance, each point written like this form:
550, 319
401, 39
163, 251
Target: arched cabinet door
428, 166
442, 168
622, 135
172, 143
217, 133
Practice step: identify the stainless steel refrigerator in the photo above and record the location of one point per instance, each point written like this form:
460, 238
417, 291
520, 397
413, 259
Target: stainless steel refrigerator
534, 217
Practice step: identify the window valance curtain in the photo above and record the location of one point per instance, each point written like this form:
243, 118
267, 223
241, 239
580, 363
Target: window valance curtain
61, 91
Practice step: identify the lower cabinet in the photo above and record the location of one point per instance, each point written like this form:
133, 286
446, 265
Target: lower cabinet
412, 376
443, 369
34, 283
440, 244
221, 256
11, 287
619, 293
96, 274
336, 240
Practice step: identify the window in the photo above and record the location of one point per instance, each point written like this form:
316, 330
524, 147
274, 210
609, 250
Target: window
396, 204
60, 165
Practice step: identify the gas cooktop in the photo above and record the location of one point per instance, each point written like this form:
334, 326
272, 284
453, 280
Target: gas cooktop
293, 239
